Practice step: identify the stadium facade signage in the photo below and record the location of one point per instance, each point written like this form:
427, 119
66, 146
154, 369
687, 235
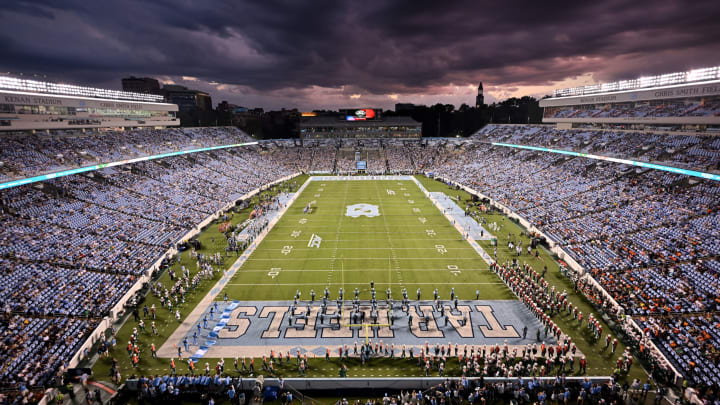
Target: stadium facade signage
689, 92
598, 99
14, 99
132, 106
21, 98
669, 92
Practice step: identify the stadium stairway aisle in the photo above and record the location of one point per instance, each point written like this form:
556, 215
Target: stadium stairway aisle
80, 393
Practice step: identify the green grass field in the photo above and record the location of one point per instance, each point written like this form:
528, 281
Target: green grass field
392, 250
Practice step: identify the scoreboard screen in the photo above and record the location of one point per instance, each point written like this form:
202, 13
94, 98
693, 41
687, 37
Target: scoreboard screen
360, 114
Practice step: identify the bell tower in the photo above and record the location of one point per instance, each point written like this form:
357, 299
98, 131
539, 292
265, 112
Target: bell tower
479, 99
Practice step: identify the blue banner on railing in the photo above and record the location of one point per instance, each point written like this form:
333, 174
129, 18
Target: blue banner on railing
694, 173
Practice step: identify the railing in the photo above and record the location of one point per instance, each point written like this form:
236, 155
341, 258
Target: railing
299, 394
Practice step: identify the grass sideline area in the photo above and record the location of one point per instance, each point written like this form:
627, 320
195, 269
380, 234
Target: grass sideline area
252, 282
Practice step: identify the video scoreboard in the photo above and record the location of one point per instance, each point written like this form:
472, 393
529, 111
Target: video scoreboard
360, 114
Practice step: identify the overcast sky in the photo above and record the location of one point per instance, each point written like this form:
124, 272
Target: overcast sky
345, 53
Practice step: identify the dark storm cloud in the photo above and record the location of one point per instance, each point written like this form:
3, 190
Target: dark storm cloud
377, 47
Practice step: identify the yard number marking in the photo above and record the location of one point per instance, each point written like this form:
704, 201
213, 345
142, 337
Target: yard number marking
314, 241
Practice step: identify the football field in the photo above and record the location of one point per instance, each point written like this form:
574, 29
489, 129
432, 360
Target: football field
358, 232
335, 267
354, 232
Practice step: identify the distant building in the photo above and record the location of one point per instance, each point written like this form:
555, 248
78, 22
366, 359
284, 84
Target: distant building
237, 115
187, 100
225, 107
404, 107
339, 126
480, 98
144, 85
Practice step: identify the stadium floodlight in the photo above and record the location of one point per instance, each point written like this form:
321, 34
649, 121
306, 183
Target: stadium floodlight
703, 74
668, 79
12, 83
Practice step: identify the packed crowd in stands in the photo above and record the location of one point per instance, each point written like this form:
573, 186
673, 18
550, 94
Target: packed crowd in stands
71, 247
686, 151
649, 238
34, 348
24, 155
709, 107
399, 160
450, 391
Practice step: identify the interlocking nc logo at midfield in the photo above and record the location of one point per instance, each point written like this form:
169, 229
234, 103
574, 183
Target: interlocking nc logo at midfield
358, 210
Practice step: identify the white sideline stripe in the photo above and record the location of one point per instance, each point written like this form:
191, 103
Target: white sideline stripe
398, 206
453, 232
281, 284
385, 232
364, 240
375, 258
354, 270
399, 226
473, 243
370, 248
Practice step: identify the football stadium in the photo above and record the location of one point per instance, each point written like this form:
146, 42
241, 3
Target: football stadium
152, 255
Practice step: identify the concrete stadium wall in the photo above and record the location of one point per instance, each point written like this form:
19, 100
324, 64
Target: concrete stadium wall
395, 383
